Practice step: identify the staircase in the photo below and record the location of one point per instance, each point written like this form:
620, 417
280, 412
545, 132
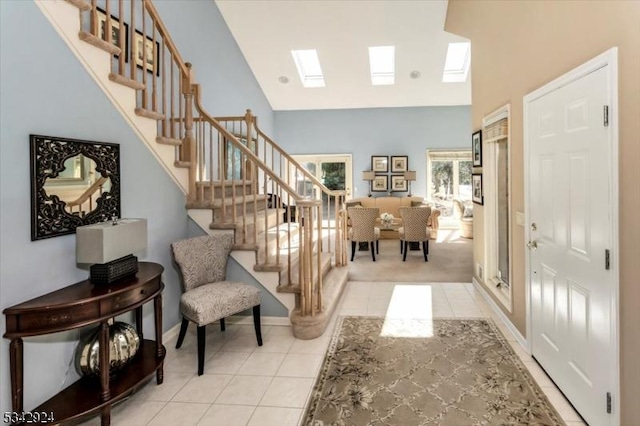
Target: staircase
287, 225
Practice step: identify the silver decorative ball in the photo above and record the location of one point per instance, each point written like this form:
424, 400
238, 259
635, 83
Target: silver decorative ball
124, 343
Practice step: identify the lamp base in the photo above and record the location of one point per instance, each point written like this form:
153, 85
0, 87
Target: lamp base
107, 273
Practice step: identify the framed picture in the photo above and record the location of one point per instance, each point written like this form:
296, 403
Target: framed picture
399, 164
115, 31
398, 183
380, 163
380, 184
152, 53
476, 148
476, 188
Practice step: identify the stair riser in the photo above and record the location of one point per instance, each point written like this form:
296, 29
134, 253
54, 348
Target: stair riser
225, 214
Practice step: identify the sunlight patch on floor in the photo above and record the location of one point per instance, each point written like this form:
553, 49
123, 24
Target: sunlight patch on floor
410, 312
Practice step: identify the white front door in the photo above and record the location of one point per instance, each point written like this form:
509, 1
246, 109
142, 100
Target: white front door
572, 289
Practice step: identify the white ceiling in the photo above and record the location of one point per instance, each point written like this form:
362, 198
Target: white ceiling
341, 31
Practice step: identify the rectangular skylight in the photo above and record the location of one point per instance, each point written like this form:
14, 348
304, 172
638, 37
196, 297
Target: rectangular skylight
382, 65
456, 66
309, 68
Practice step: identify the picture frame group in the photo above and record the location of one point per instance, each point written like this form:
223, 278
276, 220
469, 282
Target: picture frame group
396, 164
380, 183
380, 163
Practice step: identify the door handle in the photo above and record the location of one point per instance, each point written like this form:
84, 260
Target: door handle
533, 245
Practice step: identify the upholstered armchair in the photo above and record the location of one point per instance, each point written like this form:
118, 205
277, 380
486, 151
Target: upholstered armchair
206, 295
465, 216
415, 228
363, 228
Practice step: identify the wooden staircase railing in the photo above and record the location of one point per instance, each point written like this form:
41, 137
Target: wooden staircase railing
274, 205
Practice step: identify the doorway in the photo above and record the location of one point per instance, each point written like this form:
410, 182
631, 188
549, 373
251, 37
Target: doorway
571, 211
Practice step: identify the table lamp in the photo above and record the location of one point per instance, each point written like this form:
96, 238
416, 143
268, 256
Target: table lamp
370, 176
409, 175
109, 246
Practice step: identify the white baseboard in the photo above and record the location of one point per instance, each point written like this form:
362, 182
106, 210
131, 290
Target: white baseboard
508, 324
234, 319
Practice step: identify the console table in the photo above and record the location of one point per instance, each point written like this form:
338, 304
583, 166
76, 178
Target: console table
79, 305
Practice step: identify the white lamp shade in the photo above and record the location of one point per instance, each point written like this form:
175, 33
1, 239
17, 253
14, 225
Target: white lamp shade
410, 175
368, 175
104, 242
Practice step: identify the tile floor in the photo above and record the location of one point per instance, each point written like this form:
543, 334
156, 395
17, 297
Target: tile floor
244, 384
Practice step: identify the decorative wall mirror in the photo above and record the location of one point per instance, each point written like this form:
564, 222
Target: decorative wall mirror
73, 183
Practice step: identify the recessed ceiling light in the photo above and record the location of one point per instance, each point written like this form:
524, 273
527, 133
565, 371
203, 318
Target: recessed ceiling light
415, 74
283, 79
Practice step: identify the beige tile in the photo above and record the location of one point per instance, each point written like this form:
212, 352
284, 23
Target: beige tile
354, 303
170, 386
261, 364
225, 362
280, 330
353, 312
203, 389
378, 304
381, 290
561, 404
300, 365
244, 390
227, 415
358, 289
135, 413
179, 413
275, 416
241, 342
287, 392
314, 346
276, 343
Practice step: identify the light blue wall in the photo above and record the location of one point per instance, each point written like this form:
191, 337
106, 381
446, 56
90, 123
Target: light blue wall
376, 131
45, 90
203, 38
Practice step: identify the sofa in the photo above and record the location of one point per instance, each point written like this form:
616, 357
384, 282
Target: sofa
392, 205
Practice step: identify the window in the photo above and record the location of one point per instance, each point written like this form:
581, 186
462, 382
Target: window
448, 178
497, 204
309, 68
382, 65
456, 65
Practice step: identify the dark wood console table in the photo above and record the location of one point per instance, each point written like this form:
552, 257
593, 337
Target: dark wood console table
79, 305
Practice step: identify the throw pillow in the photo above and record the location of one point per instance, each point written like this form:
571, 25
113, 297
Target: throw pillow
419, 204
353, 204
468, 212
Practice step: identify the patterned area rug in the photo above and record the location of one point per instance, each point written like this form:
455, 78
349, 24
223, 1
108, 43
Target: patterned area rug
448, 372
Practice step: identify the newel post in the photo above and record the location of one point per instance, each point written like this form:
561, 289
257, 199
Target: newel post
188, 144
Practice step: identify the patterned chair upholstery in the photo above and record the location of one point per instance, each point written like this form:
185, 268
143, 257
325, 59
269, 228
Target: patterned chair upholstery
415, 229
206, 295
363, 228
465, 216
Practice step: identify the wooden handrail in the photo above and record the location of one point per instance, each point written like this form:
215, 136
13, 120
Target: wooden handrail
168, 41
87, 193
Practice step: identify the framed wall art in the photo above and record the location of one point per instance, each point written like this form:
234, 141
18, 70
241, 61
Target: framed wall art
151, 55
380, 183
380, 163
476, 148
101, 16
476, 188
399, 163
398, 183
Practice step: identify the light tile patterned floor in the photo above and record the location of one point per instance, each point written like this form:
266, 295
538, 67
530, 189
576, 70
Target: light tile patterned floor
245, 384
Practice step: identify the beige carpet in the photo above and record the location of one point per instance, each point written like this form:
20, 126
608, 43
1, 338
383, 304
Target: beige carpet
450, 260
445, 372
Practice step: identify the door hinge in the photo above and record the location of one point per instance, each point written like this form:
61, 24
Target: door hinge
607, 259
608, 402
606, 116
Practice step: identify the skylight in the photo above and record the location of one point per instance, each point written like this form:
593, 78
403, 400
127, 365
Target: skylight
456, 66
309, 68
382, 64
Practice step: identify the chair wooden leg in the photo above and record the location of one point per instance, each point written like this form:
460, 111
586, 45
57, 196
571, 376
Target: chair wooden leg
377, 246
425, 250
183, 332
401, 243
404, 256
427, 246
373, 251
201, 341
256, 324
353, 249
222, 326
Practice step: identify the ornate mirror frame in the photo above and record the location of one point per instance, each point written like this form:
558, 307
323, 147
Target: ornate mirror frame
49, 218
